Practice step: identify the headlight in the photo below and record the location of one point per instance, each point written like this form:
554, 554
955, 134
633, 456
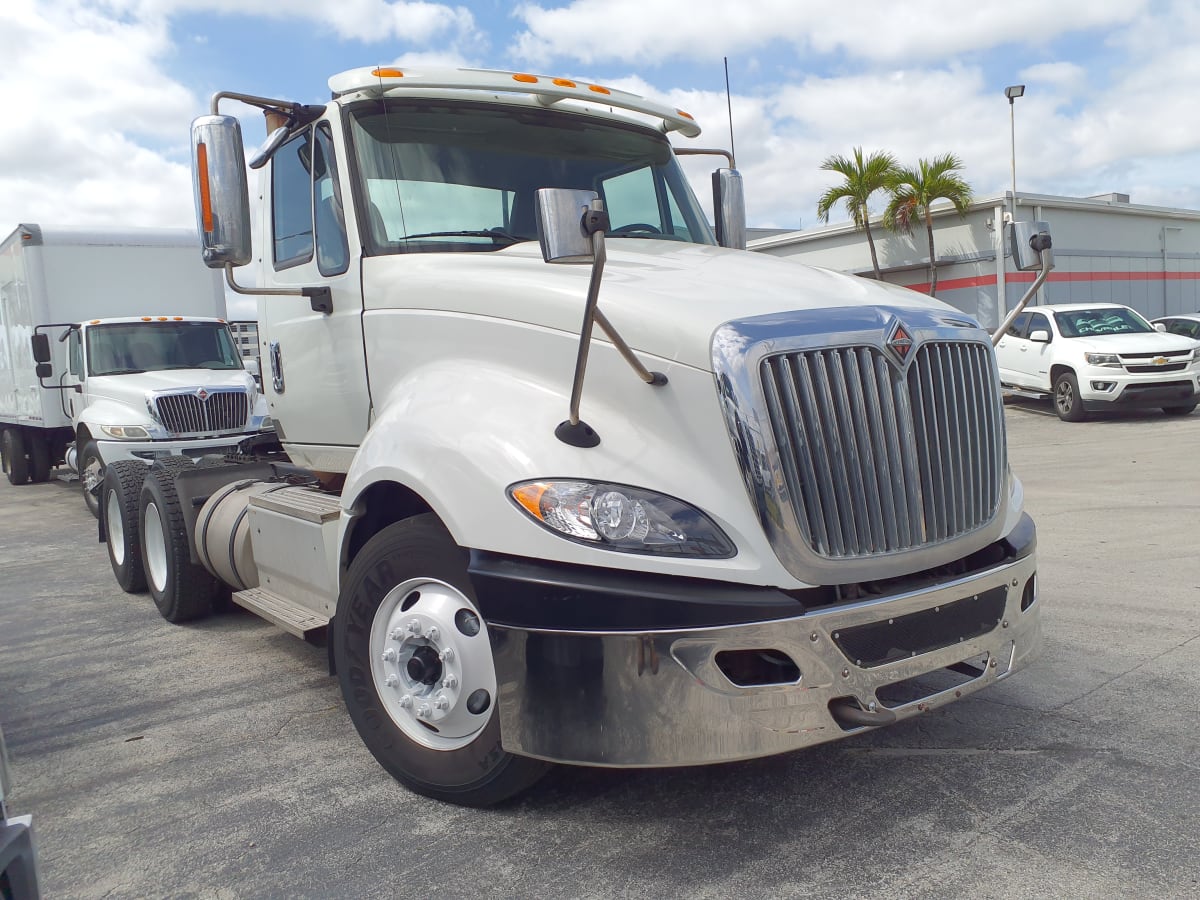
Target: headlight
125, 432
1106, 360
617, 517
1196, 354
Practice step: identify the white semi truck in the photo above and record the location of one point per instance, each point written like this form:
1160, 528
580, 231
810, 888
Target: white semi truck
92, 370
568, 478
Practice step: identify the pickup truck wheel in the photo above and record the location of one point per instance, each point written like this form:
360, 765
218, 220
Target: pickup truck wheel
12, 447
414, 661
91, 476
121, 496
39, 459
1179, 410
1066, 398
182, 591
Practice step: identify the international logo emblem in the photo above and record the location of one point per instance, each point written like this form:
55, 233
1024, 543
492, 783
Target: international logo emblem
202, 394
899, 342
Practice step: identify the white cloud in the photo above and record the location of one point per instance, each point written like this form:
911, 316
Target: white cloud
633, 30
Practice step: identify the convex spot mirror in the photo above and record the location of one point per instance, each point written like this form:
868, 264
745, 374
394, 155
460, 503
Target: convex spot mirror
219, 186
560, 223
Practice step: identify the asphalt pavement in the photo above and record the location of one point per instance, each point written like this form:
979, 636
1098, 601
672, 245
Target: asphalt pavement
217, 760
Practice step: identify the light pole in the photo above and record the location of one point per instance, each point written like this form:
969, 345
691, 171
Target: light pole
1012, 92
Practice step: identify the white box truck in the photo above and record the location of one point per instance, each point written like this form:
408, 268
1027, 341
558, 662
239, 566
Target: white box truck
136, 359
570, 478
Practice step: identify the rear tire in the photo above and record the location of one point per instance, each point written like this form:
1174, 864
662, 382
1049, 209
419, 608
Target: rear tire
1179, 410
91, 476
182, 591
12, 446
1066, 398
121, 498
427, 715
39, 459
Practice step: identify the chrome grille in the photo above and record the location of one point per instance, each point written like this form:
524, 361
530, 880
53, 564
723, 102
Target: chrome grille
880, 460
187, 413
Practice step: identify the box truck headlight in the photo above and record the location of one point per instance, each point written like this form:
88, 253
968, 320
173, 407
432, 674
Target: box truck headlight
618, 517
125, 432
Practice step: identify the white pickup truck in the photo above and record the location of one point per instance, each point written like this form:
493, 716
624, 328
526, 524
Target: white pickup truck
1098, 356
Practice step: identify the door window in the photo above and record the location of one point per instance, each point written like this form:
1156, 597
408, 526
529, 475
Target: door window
1039, 322
333, 254
291, 202
1017, 328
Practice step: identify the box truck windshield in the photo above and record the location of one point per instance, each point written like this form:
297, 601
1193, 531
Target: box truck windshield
127, 347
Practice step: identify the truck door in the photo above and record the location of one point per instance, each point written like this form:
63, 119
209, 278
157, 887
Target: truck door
1009, 352
313, 369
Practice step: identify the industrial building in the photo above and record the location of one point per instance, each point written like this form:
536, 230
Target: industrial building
1105, 249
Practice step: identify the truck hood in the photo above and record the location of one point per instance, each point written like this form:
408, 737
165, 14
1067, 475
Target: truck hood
131, 390
1152, 342
664, 297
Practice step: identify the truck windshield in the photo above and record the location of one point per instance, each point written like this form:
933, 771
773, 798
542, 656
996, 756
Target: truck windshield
461, 176
1110, 320
125, 347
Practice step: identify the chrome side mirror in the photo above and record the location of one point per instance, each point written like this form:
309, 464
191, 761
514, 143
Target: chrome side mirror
562, 234
219, 186
729, 207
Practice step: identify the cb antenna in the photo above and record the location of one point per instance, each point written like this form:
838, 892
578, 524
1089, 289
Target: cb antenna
729, 107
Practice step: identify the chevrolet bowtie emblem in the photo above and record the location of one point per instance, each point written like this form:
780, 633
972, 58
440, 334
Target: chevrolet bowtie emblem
1160, 360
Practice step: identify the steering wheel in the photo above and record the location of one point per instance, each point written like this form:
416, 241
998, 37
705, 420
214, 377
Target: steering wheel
635, 226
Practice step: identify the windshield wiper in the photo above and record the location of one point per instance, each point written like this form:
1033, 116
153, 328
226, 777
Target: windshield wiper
496, 235
119, 372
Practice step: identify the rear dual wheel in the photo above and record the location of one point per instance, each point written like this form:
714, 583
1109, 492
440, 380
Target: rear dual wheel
414, 662
120, 499
182, 590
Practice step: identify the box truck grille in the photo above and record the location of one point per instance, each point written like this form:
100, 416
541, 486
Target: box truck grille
203, 411
879, 459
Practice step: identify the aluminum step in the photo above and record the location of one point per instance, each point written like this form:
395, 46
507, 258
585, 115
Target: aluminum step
1027, 393
301, 503
287, 614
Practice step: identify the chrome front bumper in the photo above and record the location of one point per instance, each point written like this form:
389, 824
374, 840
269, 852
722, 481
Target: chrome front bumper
659, 698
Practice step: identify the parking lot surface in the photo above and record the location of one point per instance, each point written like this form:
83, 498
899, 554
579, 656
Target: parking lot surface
216, 760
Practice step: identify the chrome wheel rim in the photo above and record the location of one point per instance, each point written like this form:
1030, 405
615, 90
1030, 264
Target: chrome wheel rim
115, 527
156, 548
1066, 397
431, 664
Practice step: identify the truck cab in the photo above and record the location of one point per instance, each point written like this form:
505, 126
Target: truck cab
570, 476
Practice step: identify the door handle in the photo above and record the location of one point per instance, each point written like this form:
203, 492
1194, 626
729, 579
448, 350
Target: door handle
276, 367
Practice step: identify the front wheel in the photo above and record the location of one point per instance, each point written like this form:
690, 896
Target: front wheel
1066, 398
121, 495
414, 662
91, 476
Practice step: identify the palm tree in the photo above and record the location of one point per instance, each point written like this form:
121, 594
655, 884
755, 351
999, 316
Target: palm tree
914, 191
863, 177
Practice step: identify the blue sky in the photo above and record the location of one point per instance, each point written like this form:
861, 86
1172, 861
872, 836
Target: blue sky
101, 92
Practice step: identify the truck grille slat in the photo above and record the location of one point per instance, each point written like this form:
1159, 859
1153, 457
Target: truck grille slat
879, 460
185, 412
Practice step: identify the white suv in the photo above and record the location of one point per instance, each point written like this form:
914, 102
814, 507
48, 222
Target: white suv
1096, 356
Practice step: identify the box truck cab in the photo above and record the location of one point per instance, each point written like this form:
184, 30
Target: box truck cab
92, 371
571, 478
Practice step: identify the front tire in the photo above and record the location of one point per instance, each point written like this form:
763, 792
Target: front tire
91, 476
121, 497
1066, 398
12, 446
182, 591
414, 662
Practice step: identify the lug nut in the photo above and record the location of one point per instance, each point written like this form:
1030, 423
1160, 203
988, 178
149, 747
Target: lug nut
450, 681
845, 673
813, 637
423, 711
395, 634
447, 655
389, 655
406, 702
432, 634
414, 627
392, 680
441, 702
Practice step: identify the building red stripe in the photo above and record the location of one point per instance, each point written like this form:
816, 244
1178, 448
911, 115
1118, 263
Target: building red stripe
957, 284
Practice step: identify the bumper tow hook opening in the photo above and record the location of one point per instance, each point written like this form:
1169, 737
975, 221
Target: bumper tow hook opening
848, 714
